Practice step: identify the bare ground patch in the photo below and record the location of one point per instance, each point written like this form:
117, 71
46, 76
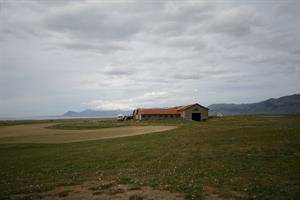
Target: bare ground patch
38, 133
109, 190
105, 190
212, 193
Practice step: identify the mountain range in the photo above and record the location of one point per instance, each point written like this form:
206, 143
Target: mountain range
283, 105
288, 105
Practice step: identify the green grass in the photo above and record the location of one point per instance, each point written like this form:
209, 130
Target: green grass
73, 125
256, 156
98, 124
21, 122
63, 121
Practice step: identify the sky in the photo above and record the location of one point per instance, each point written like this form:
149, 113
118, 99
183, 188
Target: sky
57, 55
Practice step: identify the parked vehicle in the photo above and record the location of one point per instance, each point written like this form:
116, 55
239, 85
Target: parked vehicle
120, 117
129, 117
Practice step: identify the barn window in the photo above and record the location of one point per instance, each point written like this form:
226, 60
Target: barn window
196, 109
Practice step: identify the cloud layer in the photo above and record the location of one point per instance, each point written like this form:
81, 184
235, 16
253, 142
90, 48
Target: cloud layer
62, 55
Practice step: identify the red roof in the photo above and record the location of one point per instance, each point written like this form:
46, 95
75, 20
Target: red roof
159, 111
166, 111
188, 106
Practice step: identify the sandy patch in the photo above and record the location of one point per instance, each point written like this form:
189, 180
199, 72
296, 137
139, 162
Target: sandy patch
38, 133
106, 191
109, 190
212, 193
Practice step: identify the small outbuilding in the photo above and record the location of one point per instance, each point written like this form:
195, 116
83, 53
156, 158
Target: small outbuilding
195, 112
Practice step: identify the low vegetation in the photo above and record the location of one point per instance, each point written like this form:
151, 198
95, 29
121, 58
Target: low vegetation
98, 124
248, 157
60, 121
91, 124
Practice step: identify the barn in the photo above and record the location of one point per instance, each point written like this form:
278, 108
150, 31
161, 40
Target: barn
195, 112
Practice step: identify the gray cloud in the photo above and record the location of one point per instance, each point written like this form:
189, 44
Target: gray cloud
94, 22
98, 48
139, 53
118, 71
236, 22
56, 3
191, 76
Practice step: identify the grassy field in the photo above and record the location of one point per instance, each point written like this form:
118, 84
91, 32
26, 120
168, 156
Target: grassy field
63, 122
256, 157
90, 124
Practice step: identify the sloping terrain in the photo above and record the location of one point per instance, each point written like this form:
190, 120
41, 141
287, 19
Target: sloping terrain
284, 105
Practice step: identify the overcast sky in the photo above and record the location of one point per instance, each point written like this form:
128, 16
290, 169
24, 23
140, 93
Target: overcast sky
57, 56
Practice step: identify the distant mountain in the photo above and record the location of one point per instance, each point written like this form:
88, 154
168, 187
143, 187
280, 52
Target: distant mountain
283, 105
97, 113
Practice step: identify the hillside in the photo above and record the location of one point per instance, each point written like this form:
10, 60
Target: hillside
283, 105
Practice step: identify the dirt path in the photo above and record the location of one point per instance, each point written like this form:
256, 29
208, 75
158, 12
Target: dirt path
38, 133
109, 190
104, 190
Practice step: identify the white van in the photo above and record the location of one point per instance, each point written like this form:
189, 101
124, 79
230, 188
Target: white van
120, 117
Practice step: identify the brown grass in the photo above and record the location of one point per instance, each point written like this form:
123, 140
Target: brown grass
116, 191
38, 133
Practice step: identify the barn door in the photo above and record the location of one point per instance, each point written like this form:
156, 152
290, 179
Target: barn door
196, 116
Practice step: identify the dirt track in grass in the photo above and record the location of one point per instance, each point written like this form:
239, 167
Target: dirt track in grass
38, 133
109, 190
